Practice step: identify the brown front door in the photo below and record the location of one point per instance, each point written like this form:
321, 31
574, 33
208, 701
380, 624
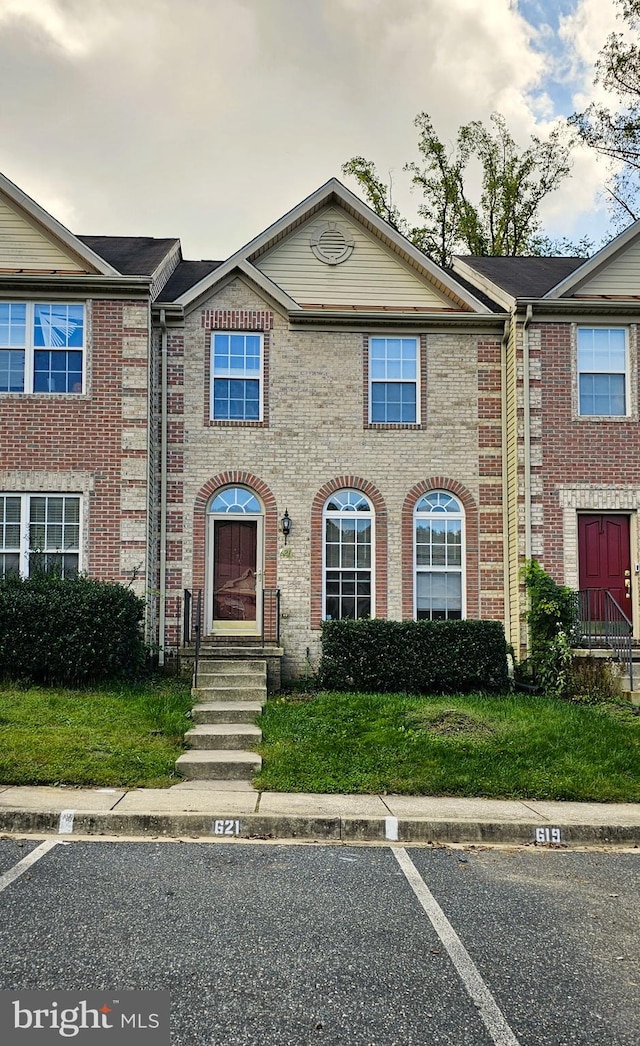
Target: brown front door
235, 544
605, 560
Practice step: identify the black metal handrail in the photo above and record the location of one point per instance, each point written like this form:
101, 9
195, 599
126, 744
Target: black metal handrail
186, 617
197, 628
604, 622
192, 624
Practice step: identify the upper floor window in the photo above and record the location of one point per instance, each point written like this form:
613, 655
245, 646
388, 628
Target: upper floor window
439, 560
236, 377
348, 555
41, 347
602, 371
393, 380
39, 532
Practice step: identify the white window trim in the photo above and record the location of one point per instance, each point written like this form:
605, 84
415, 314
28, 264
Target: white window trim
30, 348
441, 569
25, 500
346, 514
243, 377
627, 371
404, 381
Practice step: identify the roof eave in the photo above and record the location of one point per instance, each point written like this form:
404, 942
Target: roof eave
55, 228
594, 264
484, 284
335, 191
223, 272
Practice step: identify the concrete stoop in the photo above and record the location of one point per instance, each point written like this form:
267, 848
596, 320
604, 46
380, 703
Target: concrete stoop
228, 698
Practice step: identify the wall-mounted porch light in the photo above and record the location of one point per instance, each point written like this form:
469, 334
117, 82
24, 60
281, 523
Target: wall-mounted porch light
286, 525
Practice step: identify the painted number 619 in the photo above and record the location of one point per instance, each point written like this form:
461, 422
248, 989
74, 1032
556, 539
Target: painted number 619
548, 835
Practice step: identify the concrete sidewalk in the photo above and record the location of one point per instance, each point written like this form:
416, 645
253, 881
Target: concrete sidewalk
229, 809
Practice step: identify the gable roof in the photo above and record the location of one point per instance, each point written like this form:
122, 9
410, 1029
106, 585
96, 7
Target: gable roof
185, 276
54, 229
519, 277
332, 192
597, 263
132, 255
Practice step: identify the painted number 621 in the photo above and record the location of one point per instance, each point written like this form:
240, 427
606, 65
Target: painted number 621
226, 827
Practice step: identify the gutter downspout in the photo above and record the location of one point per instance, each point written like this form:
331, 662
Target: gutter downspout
505, 478
162, 608
527, 432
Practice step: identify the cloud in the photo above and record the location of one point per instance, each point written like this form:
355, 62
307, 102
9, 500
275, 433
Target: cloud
66, 25
208, 119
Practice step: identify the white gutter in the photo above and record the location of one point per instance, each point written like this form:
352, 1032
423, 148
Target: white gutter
527, 433
505, 476
162, 608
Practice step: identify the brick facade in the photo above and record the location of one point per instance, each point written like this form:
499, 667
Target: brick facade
94, 444
313, 442
579, 464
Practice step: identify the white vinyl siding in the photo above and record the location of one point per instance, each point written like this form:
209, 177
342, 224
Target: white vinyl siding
619, 278
24, 245
373, 275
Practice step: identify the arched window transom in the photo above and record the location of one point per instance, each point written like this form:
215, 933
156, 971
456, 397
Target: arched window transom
236, 499
439, 556
348, 555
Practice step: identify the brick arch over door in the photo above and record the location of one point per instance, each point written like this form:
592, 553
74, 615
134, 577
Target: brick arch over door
317, 539
471, 542
203, 497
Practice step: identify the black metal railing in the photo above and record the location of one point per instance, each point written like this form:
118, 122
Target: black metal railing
603, 622
192, 622
197, 631
186, 617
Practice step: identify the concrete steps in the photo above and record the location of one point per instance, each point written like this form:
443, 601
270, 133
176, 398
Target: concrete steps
223, 736
226, 712
229, 695
215, 766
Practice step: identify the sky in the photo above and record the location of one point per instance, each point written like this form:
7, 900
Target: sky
209, 119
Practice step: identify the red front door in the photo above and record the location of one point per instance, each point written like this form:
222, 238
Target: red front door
605, 558
234, 570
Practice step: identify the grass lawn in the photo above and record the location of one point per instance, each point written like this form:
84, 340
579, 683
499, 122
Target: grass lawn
517, 746
128, 735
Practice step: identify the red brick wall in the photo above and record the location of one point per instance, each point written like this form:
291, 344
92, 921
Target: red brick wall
603, 452
66, 433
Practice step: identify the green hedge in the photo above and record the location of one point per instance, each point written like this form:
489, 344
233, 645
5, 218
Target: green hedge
69, 631
415, 657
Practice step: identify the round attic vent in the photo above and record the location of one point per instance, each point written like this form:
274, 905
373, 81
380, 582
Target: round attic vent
331, 244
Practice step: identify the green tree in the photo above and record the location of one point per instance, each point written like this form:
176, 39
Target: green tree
504, 220
614, 131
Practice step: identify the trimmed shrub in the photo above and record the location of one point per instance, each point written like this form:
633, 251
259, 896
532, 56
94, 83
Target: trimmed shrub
414, 657
69, 631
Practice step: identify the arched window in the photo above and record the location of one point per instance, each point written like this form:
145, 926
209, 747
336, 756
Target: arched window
348, 555
439, 556
235, 499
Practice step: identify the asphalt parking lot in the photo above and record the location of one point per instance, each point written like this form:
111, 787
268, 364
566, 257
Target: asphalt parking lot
371, 945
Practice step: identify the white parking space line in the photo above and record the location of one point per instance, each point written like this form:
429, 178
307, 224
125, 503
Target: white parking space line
21, 867
488, 1009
